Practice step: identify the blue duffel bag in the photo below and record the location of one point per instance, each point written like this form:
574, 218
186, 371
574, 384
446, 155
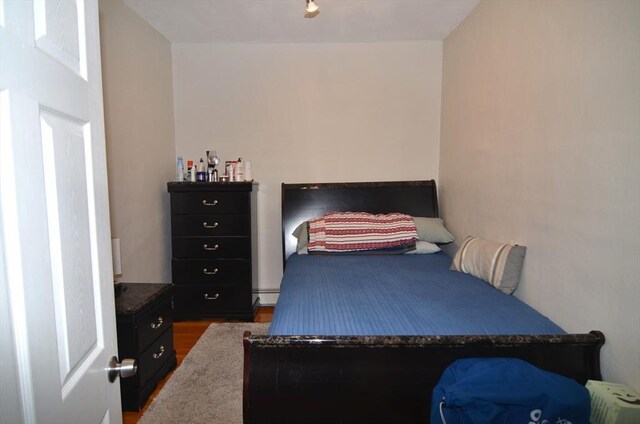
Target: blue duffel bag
509, 391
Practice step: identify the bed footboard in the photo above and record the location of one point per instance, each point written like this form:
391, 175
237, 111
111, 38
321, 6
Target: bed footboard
384, 378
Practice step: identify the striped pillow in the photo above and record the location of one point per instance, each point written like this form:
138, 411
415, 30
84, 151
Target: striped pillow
498, 264
360, 231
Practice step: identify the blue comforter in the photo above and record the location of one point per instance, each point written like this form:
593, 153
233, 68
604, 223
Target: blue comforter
395, 295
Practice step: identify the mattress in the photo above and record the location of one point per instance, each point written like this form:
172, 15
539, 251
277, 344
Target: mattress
349, 295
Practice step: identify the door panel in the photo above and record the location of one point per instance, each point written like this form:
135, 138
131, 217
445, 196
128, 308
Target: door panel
54, 213
59, 32
65, 141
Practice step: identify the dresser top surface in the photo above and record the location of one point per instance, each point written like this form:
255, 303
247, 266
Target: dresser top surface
133, 297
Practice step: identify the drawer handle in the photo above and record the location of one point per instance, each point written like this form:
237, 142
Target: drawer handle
159, 353
206, 247
214, 297
205, 225
157, 324
214, 272
204, 202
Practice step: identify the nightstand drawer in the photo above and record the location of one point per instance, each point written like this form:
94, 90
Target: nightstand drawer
154, 324
210, 225
210, 298
209, 203
211, 247
155, 356
190, 271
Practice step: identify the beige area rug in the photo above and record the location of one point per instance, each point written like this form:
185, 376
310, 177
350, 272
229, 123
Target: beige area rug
207, 387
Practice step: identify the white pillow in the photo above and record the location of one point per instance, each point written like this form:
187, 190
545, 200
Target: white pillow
423, 248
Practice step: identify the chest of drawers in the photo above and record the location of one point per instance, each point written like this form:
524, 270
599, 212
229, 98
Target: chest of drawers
214, 250
145, 333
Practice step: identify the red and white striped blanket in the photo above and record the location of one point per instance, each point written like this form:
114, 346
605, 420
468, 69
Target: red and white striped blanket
356, 231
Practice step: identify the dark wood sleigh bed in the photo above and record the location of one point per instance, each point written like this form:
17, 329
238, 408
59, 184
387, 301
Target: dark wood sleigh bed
335, 379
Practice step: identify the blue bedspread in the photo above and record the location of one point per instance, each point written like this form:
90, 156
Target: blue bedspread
395, 295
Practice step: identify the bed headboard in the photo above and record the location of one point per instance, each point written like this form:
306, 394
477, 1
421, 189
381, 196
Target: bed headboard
301, 202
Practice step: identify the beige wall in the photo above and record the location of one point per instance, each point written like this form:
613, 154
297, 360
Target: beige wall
137, 84
541, 146
309, 113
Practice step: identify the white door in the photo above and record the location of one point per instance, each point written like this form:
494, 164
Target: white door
58, 317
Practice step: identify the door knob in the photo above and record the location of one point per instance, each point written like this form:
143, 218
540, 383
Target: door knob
125, 369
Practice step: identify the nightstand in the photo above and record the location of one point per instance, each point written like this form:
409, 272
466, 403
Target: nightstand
145, 333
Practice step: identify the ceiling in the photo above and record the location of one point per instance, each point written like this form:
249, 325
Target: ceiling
283, 21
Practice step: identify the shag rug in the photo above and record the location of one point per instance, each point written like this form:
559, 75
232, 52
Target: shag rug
207, 387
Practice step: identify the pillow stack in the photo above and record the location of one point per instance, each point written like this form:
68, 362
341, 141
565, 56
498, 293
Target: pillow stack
429, 231
360, 231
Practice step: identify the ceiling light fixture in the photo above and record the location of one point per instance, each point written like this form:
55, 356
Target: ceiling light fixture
311, 9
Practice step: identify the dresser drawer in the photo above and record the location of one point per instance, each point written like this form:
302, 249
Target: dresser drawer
210, 203
155, 356
211, 247
210, 225
202, 271
211, 298
153, 324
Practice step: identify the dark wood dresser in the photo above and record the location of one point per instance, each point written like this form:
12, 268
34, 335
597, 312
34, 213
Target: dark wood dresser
145, 333
214, 250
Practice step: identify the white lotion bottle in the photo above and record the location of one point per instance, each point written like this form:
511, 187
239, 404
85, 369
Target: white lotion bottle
240, 170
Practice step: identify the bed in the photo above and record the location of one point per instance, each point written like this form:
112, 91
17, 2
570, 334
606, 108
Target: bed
348, 345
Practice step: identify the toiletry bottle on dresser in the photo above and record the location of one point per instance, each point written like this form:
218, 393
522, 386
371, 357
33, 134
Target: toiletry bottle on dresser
192, 171
229, 170
201, 174
239, 170
180, 169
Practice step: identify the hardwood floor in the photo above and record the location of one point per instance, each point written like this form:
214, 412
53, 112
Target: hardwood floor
185, 336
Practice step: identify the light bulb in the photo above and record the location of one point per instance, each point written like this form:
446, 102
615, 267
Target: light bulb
311, 7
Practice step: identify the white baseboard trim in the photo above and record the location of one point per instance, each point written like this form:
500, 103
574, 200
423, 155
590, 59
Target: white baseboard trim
267, 297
